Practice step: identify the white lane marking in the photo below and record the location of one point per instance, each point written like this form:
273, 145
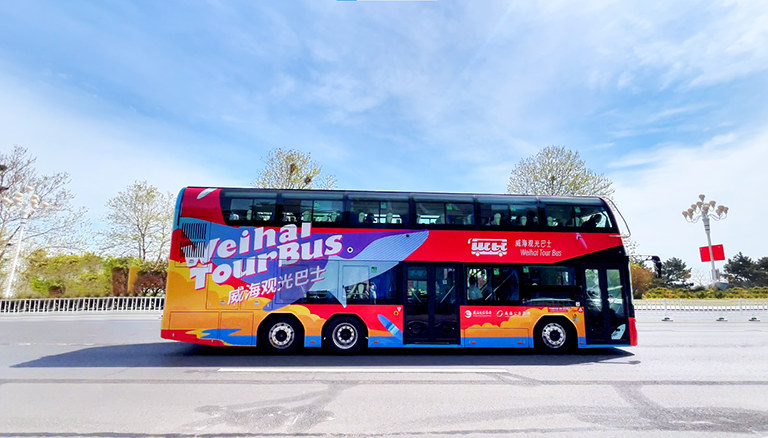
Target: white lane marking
57, 344
306, 370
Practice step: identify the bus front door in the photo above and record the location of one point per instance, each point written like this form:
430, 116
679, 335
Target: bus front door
606, 289
431, 309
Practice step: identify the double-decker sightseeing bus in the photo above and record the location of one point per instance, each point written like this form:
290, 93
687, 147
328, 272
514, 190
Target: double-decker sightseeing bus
345, 270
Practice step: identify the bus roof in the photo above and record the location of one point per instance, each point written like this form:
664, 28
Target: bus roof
384, 193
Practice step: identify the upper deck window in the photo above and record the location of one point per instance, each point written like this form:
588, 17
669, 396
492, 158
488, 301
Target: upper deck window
430, 213
368, 211
317, 208
452, 212
508, 212
244, 208
586, 215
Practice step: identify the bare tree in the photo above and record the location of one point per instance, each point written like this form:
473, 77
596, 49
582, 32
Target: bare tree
631, 248
141, 222
557, 171
701, 279
292, 169
55, 226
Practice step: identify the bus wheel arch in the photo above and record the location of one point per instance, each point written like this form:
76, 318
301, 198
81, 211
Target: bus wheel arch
281, 333
555, 335
345, 334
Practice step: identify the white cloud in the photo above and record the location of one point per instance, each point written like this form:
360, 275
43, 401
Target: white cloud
103, 152
660, 153
729, 40
728, 169
672, 112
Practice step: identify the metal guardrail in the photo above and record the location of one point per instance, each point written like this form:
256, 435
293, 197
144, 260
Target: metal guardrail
143, 304
701, 305
97, 304
721, 308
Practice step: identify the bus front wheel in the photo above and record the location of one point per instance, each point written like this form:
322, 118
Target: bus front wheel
281, 335
345, 335
554, 336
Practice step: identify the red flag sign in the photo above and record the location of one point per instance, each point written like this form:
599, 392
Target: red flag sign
717, 251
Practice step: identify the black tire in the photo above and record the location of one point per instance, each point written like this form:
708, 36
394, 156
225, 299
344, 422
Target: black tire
554, 336
345, 335
281, 335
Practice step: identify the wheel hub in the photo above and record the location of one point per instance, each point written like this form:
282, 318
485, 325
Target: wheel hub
553, 335
281, 335
345, 335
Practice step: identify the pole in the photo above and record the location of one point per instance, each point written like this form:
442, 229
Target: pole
705, 219
705, 210
8, 291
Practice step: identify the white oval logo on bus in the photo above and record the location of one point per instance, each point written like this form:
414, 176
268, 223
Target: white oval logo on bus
488, 246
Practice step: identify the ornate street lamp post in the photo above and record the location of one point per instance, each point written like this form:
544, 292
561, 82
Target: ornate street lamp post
28, 202
705, 211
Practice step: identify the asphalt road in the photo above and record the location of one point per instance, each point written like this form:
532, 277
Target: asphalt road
113, 376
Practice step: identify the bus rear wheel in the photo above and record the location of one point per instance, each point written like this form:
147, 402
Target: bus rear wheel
281, 335
554, 336
344, 335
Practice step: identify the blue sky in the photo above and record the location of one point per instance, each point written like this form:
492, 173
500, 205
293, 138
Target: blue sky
665, 98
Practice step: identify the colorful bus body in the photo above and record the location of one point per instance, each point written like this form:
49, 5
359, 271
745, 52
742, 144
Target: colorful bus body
285, 269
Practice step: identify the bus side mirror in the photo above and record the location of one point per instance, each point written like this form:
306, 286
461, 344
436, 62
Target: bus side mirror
657, 266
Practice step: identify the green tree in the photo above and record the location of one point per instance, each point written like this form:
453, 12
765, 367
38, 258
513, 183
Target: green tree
72, 275
642, 279
292, 169
761, 277
150, 279
141, 222
557, 171
742, 271
675, 273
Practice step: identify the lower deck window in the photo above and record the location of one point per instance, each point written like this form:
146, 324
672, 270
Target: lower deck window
548, 286
493, 285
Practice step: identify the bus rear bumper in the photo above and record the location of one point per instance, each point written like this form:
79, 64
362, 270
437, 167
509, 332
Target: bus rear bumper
632, 332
